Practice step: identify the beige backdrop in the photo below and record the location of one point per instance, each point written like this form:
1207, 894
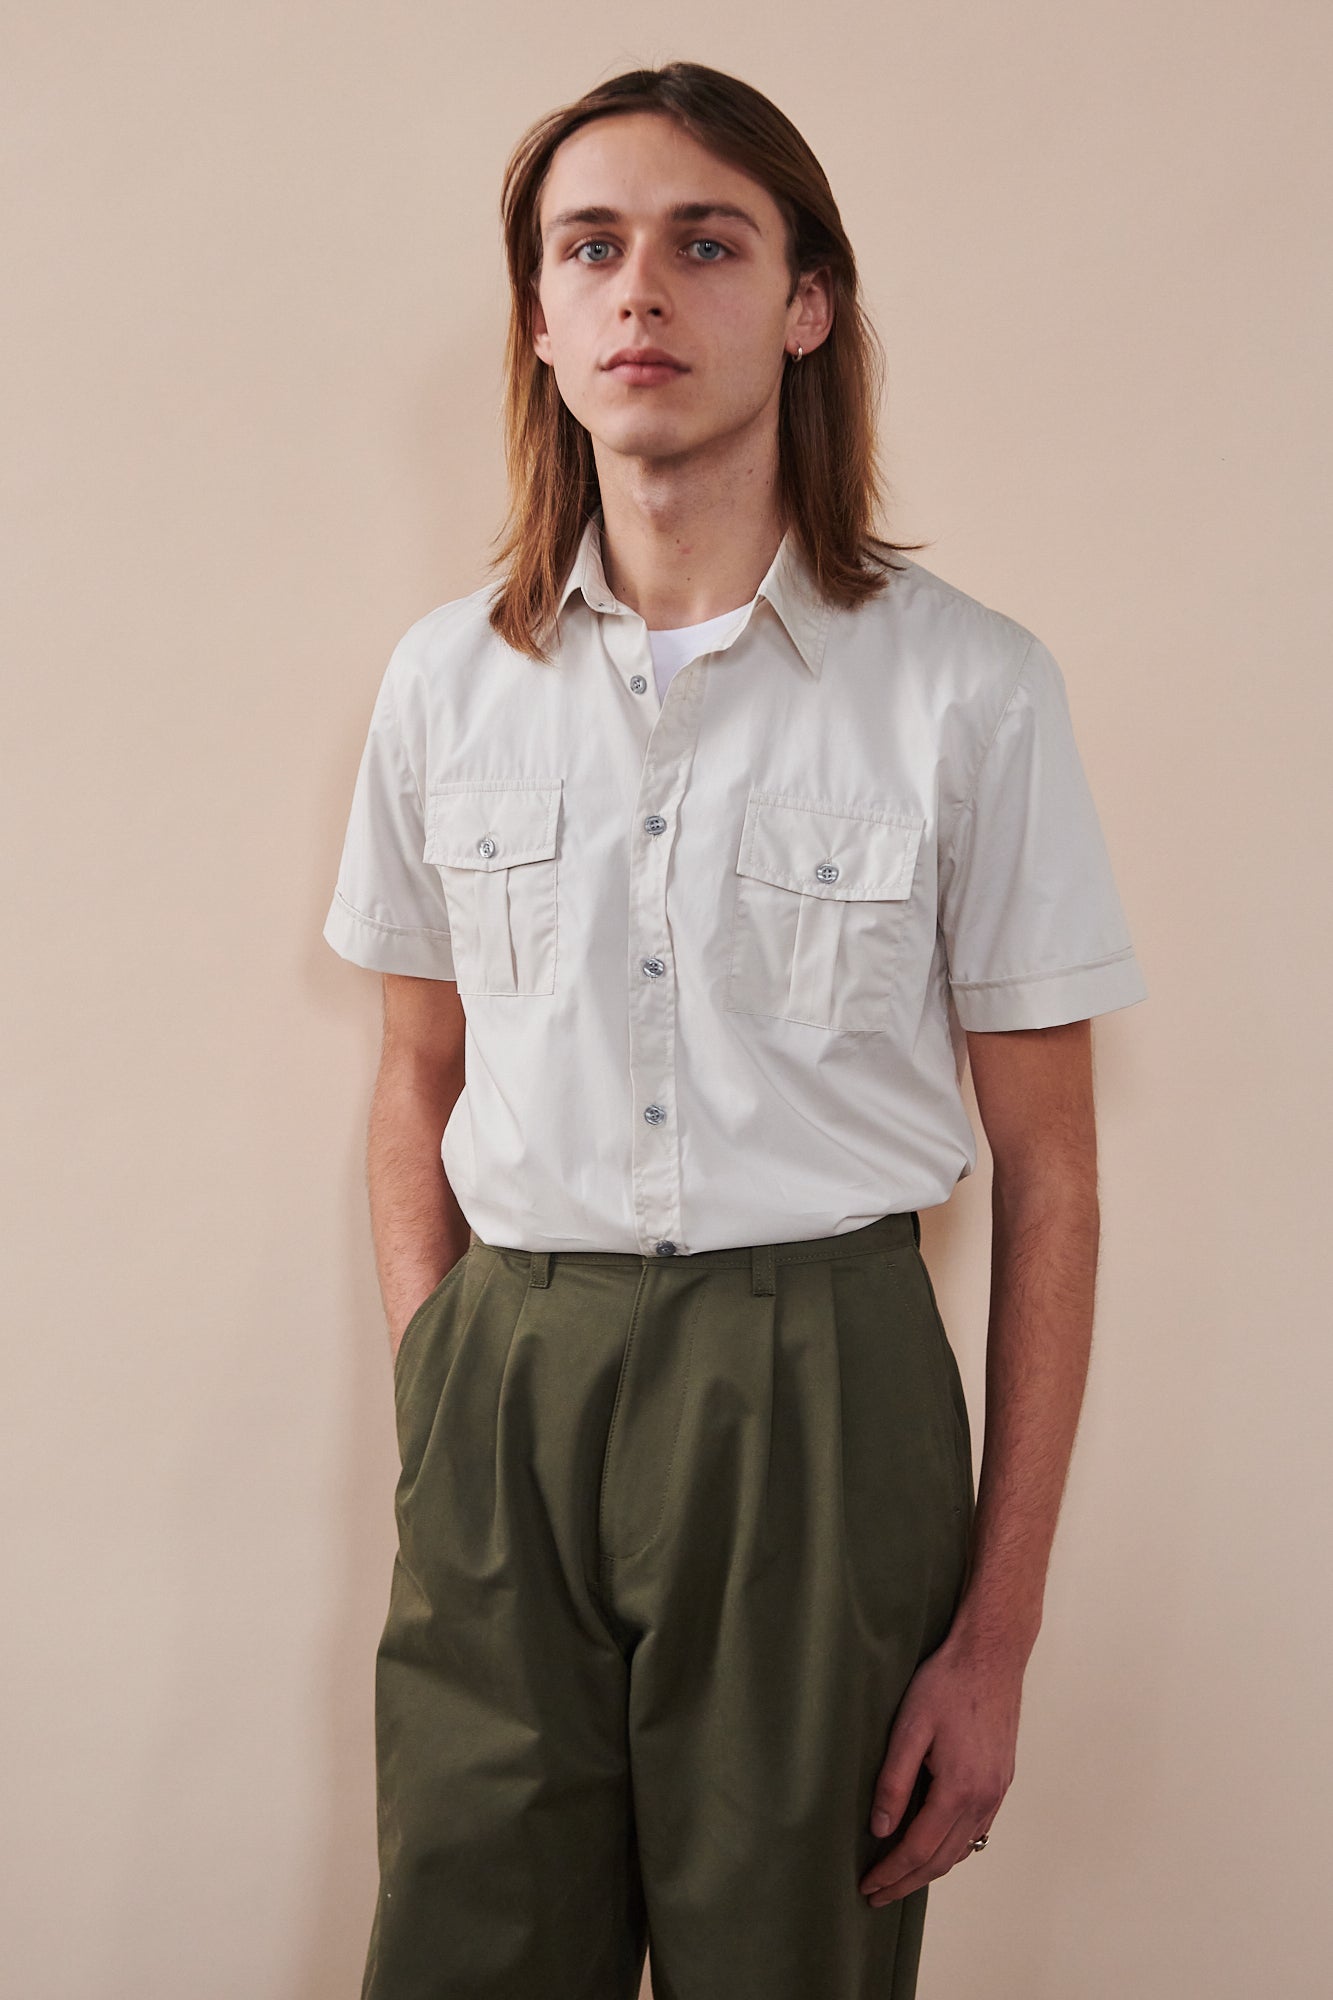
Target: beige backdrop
254, 306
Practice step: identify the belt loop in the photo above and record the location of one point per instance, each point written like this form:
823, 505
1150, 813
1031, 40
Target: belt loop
539, 1267
916, 1228
761, 1270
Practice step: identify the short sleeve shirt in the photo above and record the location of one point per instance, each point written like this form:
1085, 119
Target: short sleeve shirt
718, 947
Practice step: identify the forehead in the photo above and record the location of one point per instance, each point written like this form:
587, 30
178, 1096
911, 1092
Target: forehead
643, 167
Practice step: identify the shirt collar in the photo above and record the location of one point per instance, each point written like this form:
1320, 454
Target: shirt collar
787, 584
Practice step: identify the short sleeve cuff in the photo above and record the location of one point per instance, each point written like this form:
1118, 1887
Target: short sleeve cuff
1047, 1000
386, 948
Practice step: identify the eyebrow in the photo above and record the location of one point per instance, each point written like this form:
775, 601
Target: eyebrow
684, 211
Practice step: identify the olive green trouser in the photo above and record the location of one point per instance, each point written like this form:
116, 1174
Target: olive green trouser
674, 1533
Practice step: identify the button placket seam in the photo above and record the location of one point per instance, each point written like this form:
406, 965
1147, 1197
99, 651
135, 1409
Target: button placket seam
656, 1148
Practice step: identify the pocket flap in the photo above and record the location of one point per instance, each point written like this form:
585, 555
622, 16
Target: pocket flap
798, 844
492, 823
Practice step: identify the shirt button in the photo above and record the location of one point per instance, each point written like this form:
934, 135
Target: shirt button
654, 823
655, 1113
638, 683
653, 967
827, 871
486, 845
666, 1249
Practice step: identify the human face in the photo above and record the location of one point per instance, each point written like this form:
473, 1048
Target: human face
708, 288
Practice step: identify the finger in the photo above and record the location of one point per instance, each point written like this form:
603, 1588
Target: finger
950, 1851
955, 1847
902, 1767
932, 1826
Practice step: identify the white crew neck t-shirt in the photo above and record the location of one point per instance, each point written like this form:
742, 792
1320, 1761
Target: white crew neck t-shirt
675, 646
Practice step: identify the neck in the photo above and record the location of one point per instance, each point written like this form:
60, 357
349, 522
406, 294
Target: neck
691, 557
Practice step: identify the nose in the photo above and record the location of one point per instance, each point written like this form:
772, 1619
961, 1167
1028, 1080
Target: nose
643, 286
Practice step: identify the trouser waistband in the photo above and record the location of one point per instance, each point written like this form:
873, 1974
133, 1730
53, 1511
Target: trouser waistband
887, 1232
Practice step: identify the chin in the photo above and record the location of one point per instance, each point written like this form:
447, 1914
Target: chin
641, 438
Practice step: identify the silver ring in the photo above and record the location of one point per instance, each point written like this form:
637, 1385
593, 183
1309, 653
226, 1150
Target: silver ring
976, 1845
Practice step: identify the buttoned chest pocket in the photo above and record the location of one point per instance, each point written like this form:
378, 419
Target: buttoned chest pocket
494, 843
824, 912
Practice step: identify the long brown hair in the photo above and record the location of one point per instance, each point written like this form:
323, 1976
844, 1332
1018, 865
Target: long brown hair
830, 487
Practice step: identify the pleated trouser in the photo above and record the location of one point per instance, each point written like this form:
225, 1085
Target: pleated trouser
673, 1534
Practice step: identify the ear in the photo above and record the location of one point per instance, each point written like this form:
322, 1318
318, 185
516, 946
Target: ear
815, 300
541, 339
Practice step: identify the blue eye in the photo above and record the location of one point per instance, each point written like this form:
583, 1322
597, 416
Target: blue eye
600, 243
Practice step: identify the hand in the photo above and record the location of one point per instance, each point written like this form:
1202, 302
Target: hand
959, 1716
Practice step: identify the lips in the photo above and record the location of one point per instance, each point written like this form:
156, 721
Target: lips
645, 357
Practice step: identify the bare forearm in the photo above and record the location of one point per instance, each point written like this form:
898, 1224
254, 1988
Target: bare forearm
419, 1230
1046, 1232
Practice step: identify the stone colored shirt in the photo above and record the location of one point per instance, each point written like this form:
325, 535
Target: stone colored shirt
718, 946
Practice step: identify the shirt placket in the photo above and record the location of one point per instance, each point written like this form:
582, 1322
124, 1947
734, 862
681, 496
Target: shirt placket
653, 995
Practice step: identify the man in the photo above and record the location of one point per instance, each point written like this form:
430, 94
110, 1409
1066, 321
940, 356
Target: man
698, 854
